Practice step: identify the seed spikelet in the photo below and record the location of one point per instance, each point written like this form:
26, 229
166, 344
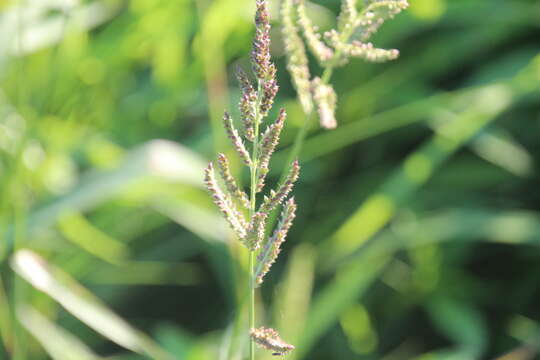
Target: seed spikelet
269, 339
224, 203
272, 248
230, 183
236, 141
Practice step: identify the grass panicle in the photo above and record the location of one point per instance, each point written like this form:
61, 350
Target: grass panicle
332, 49
255, 104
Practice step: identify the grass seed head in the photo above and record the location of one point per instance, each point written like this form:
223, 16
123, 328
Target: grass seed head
236, 141
326, 100
297, 61
269, 339
224, 203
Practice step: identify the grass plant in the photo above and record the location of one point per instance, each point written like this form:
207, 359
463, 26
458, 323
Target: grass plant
255, 106
418, 211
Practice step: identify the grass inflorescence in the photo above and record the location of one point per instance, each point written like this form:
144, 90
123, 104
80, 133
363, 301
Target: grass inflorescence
255, 105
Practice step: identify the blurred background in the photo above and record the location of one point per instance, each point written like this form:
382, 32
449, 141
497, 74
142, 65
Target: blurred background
418, 227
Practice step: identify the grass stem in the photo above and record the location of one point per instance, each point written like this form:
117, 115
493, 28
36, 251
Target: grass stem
252, 209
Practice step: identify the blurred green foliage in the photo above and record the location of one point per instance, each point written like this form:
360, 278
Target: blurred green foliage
419, 223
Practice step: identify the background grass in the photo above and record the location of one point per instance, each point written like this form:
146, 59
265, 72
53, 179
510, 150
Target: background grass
418, 225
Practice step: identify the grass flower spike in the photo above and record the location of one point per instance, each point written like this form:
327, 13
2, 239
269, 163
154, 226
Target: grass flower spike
277, 197
269, 142
325, 97
375, 13
237, 142
269, 339
348, 15
224, 203
297, 61
255, 105
230, 182
260, 54
256, 231
313, 39
273, 246
247, 103
332, 49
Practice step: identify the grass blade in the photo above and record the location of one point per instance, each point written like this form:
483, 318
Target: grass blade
82, 304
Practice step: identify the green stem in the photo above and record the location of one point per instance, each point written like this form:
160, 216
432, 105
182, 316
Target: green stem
252, 253
252, 209
251, 304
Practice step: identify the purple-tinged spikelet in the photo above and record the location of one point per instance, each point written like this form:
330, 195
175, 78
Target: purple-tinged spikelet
224, 203
269, 90
247, 103
277, 197
256, 231
263, 67
269, 142
269, 339
272, 248
313, 39
325, 98
260, 54
237, 142
297, 61
230, 183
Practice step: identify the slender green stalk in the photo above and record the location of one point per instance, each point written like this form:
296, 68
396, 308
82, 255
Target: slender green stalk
252, 209
251, 304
